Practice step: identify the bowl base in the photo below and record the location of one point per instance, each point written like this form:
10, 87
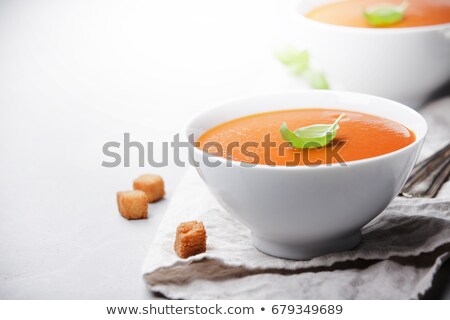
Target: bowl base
305, 251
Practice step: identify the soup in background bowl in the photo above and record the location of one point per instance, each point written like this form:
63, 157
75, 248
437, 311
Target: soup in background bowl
349, 13
406, 64
299, 212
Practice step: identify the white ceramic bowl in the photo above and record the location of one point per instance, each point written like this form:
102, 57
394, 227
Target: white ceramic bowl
403, 64
302, 212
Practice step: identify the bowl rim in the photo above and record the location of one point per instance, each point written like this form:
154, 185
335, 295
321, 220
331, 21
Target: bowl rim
353, 163
383, 31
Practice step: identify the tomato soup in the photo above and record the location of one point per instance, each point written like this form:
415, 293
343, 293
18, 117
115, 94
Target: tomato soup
360, 136
350, 13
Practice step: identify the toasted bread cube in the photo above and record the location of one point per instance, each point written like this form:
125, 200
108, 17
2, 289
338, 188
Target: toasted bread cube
152, 185
190, 239
132, 204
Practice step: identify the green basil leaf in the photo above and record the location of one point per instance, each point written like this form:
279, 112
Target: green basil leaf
385, 14
314, 136
297, 61
316, 79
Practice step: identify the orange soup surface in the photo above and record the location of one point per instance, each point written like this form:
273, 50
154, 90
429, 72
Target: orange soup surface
360, 136
350, 13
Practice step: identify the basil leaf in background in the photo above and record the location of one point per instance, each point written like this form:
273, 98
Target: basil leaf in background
298, 62
385, 14
314, 136
316, 79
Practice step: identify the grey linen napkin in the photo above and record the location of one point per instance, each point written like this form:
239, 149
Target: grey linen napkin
400, 252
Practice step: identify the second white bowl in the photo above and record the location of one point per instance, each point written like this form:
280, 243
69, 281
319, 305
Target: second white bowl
403, 64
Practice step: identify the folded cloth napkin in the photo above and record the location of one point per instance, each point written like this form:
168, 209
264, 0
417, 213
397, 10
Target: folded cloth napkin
400, 252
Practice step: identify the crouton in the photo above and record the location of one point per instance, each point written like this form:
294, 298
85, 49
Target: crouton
190, 239
132, 204
152, 185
